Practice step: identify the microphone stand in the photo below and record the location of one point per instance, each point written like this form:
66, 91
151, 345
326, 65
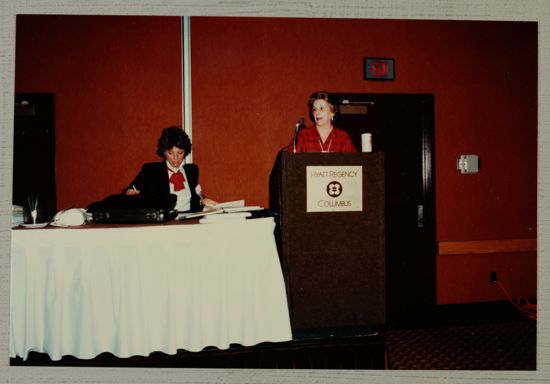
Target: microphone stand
299, 125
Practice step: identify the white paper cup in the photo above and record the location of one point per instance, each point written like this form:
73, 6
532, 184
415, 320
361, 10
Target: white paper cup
366, 142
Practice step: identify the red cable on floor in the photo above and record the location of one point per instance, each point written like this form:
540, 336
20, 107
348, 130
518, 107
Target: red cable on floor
525, 307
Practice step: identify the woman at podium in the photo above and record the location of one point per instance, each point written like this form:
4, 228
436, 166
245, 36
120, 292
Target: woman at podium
171, 175
323, 136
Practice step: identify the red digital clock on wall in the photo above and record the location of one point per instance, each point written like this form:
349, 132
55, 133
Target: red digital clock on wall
378, 68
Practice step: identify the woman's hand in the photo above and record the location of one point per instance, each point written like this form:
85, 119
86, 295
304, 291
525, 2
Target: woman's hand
132, 191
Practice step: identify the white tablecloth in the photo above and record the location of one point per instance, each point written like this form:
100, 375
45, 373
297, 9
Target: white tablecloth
135, 290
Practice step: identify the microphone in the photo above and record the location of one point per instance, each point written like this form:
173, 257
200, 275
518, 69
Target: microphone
299, 125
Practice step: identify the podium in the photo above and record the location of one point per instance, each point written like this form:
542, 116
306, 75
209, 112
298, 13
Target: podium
332, 236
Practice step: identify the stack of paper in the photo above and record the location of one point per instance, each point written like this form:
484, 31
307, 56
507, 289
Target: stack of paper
224, 217
221, 209
206, 211
237, 206
230, 204
242, 209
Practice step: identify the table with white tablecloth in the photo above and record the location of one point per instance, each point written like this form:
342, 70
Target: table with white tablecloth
133, 290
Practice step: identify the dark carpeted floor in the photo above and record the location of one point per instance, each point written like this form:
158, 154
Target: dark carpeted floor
489, 346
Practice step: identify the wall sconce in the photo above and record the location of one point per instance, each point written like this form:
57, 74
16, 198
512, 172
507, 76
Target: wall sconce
468, 164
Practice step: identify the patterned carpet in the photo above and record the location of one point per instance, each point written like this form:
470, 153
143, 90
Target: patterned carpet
491, 346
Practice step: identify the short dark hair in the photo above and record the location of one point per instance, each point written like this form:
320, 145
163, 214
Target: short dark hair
322, 95
173, 137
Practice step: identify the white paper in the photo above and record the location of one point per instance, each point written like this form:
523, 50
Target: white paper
230, 204
242, 209
225, 216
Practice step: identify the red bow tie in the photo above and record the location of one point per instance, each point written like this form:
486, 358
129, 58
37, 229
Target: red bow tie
177, 179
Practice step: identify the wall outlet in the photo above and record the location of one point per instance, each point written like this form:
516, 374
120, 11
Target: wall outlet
492, 277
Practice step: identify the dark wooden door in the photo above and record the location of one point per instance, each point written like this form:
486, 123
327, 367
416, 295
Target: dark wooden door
402, 126
34, 153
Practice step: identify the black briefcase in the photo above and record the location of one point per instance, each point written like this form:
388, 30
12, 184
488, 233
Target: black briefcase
129, 216
122, 209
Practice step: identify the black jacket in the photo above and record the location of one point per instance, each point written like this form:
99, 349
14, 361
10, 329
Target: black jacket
153, 184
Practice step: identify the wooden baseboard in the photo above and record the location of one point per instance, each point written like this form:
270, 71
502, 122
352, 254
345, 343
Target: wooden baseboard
487, 246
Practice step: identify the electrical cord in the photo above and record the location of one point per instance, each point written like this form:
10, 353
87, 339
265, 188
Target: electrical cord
522, 304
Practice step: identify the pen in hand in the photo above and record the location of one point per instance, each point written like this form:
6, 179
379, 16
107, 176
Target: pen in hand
132, 191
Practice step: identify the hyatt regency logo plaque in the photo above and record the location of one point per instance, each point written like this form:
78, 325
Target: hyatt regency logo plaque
334, 188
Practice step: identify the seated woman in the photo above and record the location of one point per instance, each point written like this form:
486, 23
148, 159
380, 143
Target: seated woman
170, 175
323, 136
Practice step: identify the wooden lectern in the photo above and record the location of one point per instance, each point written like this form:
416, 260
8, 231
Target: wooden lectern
333, 261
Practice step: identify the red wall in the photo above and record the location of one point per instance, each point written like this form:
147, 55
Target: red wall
465, 278
117, 79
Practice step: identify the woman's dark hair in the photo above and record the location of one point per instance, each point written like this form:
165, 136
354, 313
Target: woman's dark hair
322, 95
173, 137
